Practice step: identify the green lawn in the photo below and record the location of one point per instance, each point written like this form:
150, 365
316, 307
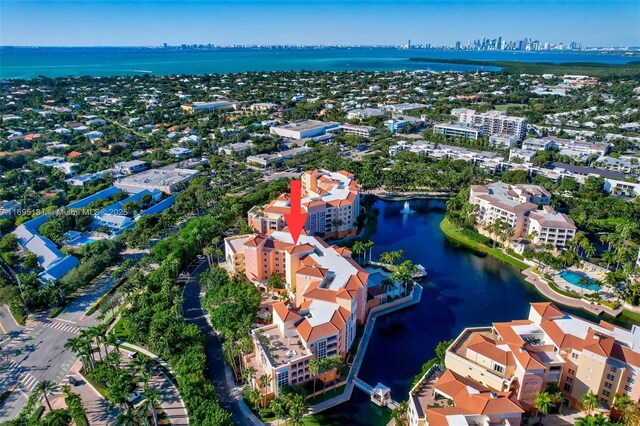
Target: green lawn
457, 235
506, 106
630, 316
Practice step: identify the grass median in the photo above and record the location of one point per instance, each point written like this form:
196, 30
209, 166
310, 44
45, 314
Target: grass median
459, 236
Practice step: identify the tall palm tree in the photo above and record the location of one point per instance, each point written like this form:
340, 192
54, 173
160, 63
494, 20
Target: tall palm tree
152, 396
620, 404
369, 245
314, 369
358, 248
297, 407
278, 410
44, 388
589, 402
126, 418
248, 374
543, 403
77, 346
265, 380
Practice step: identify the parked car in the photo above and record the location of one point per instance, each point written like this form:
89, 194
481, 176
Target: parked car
72, 380
133, 355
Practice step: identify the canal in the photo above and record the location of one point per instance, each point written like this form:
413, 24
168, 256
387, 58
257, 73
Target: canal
463, 289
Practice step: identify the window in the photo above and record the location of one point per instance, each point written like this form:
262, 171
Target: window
631, 380
610, 377
574, 355
567, 387
569, 380
606, 393
498, 368
607, 385
572, 372
628, 388
282, 378
614, 369
321, 351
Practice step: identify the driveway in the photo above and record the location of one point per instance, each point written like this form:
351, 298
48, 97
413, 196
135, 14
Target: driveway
215, 368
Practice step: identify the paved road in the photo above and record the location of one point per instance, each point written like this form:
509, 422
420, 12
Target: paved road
195, 313
36, 352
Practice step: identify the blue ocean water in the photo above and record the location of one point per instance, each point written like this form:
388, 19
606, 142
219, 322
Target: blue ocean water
21, 62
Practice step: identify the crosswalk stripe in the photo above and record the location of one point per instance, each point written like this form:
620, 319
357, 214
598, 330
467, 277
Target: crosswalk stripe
74, 329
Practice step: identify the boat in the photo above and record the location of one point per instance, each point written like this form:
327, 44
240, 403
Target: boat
420, 272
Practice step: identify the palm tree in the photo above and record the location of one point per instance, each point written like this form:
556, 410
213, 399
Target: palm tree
598, 420
248, 374
57, 418
265, 380
620, 404
399, 414
297, 406
209, 253
369, 245
314, 369
589, 402
278, 410
543, 403
152, 396
44, 388
126, 418
358, 248
77, 345
254, 398
386, 284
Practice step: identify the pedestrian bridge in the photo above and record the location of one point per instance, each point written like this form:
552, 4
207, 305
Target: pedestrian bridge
368, 389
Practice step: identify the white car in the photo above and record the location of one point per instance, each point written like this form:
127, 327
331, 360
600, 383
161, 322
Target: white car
133, 396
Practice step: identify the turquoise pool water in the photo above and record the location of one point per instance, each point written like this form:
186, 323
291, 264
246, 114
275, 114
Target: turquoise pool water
575, 277
84, 240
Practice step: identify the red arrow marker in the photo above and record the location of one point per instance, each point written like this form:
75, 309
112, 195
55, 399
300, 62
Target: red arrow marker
296, 218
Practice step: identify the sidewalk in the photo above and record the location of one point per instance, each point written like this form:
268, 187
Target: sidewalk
170, 399
96, 406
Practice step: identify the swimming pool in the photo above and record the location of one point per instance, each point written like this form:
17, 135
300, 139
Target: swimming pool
575, 279
83, 240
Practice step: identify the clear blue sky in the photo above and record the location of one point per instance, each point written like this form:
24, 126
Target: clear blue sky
144, 22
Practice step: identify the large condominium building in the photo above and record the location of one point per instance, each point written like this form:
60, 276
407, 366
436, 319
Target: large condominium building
458, 130
328, 297
550, 347
331, 200
517, 205
210, 106
303, 129
493, 122
452, 399
570, 147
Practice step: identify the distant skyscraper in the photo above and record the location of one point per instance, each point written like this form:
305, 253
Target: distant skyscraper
499, 44
409, 44
457, 45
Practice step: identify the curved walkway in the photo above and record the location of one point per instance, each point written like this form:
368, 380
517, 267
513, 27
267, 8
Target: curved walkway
170, 399
543, 287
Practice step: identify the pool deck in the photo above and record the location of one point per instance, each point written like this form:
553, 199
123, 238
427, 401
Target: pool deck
543, 287
562, 282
